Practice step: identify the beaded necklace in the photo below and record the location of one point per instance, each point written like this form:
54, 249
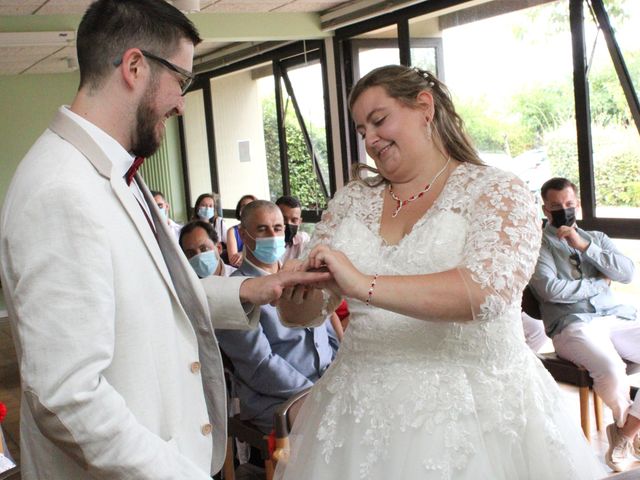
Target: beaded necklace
401, 203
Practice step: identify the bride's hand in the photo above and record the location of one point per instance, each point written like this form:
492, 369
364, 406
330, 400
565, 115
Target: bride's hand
347, 280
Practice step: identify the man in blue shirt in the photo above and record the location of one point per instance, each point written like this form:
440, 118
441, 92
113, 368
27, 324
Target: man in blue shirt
572, 281
273, 362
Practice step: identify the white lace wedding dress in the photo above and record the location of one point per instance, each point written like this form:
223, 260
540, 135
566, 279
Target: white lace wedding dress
411, 399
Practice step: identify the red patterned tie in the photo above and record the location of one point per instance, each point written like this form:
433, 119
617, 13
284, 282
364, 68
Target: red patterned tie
133, 169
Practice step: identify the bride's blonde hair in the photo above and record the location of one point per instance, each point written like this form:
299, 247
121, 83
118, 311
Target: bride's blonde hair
404, 84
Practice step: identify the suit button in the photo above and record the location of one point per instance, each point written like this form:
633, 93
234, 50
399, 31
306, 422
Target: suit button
206, 429
195, 367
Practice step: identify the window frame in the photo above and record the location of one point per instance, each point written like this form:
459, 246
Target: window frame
615, 227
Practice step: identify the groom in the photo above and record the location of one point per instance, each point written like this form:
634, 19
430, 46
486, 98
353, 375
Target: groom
121, 372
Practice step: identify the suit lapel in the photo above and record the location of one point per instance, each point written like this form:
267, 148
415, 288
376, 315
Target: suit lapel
188, 289
80, 139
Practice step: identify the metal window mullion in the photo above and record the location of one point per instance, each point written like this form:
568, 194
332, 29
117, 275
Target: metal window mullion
185, 168
327, 120
582, 110
342, 69
404, 42
282, 133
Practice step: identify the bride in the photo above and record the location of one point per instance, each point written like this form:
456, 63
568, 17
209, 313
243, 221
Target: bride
433, 379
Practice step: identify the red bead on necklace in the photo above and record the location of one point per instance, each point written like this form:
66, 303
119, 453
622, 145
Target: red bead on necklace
401, 203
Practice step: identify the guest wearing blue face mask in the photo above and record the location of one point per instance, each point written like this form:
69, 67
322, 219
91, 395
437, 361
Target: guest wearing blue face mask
199, 242
586, 322
164, 207
205, 209
272, 362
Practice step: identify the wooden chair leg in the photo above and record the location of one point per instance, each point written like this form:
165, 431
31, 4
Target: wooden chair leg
584, 412
228, 469
269, 469
597, 407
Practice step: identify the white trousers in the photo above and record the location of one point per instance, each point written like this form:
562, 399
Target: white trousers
599, 346
534, 333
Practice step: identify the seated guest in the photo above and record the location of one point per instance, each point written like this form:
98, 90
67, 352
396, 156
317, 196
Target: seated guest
199, 242
572, 281
272, 362
205, 209
164, 207
234, 242
624, 443
292, 213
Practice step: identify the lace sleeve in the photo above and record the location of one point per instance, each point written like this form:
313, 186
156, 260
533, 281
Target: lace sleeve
336, 210
502, 246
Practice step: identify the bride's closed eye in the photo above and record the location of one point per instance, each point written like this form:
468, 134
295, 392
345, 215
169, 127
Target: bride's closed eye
379, 121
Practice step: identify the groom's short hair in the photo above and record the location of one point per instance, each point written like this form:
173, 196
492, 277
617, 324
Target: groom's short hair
110, 27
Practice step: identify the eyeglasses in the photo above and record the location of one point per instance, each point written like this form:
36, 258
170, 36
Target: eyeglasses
186, 77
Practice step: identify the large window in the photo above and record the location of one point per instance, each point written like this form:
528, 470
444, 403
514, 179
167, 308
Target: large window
267, 131
510, 73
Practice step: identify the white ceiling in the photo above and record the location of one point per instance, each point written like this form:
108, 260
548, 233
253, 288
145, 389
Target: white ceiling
49, 58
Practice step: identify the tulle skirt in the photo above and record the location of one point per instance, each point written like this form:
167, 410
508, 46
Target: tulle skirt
391, 422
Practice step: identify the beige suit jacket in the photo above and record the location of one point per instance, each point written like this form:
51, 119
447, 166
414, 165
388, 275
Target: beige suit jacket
121, 371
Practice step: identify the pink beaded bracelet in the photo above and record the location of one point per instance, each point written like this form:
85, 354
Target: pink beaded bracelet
371, 287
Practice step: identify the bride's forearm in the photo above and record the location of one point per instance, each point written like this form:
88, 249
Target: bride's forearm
445, 296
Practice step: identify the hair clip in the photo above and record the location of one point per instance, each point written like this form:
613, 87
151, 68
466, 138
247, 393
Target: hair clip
424, 74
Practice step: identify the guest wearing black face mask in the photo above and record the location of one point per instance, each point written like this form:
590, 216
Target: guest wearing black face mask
294, 239
587, 324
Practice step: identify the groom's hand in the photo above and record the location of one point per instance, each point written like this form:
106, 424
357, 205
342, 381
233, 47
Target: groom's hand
269, 289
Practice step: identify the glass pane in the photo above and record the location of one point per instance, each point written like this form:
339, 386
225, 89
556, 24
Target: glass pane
240, 135
425, 58
267, 93
628, 293
624, 16
511, 76
616, 143
196, 145
425, 41
304, 179
375, 49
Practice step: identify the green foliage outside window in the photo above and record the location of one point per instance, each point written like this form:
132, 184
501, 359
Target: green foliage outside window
302, 178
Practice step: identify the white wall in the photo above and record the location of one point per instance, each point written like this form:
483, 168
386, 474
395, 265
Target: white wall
195, 131
237, 115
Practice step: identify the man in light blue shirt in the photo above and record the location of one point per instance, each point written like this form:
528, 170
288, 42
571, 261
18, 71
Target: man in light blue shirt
572, 281
272, 362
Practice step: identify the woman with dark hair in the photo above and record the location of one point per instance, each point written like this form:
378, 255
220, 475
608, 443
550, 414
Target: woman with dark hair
205, 209
433, 379
234, 242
